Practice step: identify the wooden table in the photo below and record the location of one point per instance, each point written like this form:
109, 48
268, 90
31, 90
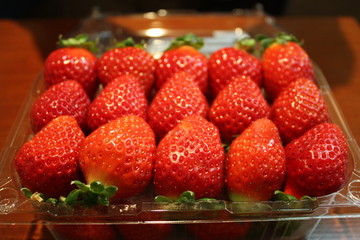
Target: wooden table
333, 43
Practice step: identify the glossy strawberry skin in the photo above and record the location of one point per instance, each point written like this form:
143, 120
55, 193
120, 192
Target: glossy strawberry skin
230, 62
127, 61
236, 106
184, 58
298, 108
190, 157
317, 162
120, 153
255, 165
179, 97
123, 96
72, 63
283, 64
49, 161
64, 98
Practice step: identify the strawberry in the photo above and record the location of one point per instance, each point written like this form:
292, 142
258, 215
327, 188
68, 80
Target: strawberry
190, 157
72, 62
145, 231
255, 165
179, 97
284, 61
122, 96
229, 62
298, 108
120, 153
48, 163
86, 231
236, 106
64, 98
183, 55
127, 58
317, 162
215, 231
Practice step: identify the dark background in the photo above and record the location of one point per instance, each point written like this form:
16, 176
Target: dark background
83, 8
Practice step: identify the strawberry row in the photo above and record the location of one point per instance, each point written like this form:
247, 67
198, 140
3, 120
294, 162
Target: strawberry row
278, 140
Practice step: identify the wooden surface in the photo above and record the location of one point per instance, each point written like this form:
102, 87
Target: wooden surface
333, 43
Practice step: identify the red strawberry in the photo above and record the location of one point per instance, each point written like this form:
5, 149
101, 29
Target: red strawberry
230, 62
255, 166
179, 97
72, 62
183, 55
317, 162
64, 98
120, 153
190, 157
49, 161
123, 96
215, 231
284, 61
298, 108
87, 231
127, 58
236, 106
145, 231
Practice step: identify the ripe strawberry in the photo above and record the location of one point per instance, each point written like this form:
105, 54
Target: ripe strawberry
298, 108
190, 157
215, 231
87, 231
229, 62
120, 153
236, 106
179, 97
255, 166
49, 161
64, 98
72, 62
183, 55
145, 231
284, 61
316, 162
123, 96
127, 58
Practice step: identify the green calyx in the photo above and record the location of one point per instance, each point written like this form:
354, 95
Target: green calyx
129, 42
281, 196
79, 41
189, 39
281, 38
247, 44
185, 197
95, 193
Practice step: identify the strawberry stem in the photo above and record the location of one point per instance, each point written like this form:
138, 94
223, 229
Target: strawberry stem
129, 42
282, 196
185, 197
247, 44
79, 41
95, 193
281, 38
189, 39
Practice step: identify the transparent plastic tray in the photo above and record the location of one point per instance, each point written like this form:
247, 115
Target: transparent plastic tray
16, 209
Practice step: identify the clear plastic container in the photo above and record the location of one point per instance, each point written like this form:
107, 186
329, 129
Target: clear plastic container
266, 220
